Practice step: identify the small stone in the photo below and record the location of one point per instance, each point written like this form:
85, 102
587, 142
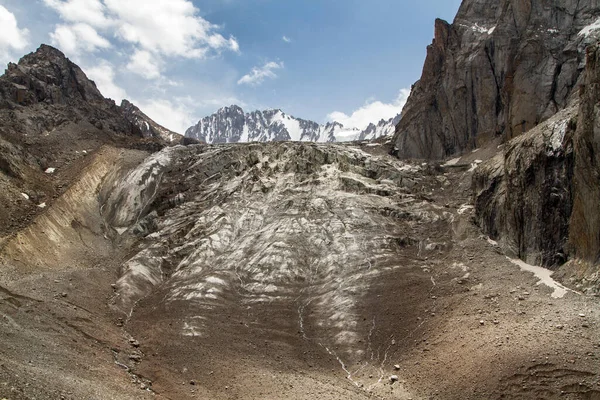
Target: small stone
482, 322
521, 298
560, 326
582, 315
63, 294
192, 382
397, 367
394, 378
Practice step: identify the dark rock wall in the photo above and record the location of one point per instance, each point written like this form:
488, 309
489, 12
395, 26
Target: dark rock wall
541, 196
585, 221
500, 69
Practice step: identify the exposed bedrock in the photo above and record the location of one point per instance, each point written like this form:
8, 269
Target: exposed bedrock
540, 196
499, 70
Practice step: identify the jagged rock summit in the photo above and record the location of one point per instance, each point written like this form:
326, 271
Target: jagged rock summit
499, 70
233, 125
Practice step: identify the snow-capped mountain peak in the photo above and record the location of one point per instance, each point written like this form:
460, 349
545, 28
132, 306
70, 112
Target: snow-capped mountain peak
232, 125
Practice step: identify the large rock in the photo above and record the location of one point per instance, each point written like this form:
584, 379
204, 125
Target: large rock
500, 69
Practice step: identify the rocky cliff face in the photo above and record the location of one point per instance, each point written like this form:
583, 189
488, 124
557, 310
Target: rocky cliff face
540, 195
584, 235
523, 195
232, 125
499, 70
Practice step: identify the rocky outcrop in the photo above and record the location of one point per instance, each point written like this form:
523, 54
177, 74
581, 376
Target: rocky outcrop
499, 70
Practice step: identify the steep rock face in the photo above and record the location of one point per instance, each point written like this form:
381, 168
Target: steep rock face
523, 195
232, 125
146, 126
501, 68
585, 220
540, 196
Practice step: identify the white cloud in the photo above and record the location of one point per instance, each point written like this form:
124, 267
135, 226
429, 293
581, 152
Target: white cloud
11, 36
145, 64
171, 27
286, 39
103, 75
159, 28
91, 12
259, 74
372, 111
174, 116
73, 39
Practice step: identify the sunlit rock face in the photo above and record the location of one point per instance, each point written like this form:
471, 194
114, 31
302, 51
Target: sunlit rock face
302, 229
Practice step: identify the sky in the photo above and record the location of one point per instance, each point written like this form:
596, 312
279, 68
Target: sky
352, 61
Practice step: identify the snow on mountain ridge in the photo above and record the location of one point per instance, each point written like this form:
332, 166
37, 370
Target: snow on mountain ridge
232, 125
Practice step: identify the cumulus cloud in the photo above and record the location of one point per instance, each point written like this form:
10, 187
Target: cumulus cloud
372, 111
259, 74
91, 12
145, 64
154, 28
103, 75
12, 38
77, 38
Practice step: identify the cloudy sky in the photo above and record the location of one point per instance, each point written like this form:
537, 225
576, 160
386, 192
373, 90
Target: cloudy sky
180, 60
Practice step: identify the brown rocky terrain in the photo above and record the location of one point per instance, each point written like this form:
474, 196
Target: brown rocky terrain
134, 269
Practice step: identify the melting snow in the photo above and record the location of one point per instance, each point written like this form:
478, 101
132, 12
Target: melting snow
454, 161
557, 135
545, 277
590, 28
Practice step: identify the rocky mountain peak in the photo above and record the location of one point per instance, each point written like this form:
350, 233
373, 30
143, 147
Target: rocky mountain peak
48, 76
232, 125
498, 70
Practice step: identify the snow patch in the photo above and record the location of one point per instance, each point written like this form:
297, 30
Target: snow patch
594, 26
50, 170
557, 135
454, 161
545, 277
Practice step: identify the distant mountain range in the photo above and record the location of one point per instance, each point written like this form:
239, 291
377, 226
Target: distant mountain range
233, 125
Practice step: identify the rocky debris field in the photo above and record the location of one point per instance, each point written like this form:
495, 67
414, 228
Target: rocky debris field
281, 270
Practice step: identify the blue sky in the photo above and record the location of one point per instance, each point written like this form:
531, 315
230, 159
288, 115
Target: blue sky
180, 60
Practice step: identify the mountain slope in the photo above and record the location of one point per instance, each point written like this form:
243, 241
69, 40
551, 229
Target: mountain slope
500, 69
52, 118
232, 125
